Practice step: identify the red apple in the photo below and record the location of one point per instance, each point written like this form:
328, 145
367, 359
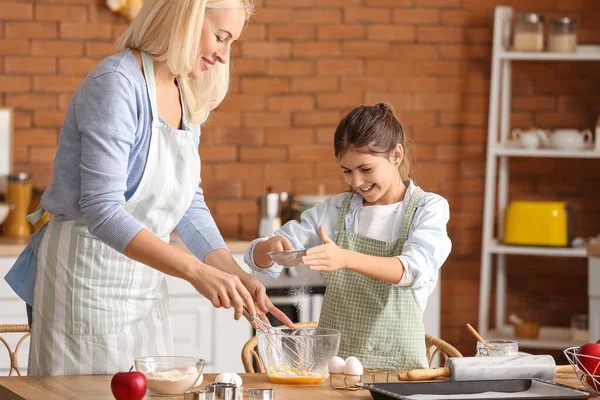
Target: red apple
588, 358
128, 385
591, 380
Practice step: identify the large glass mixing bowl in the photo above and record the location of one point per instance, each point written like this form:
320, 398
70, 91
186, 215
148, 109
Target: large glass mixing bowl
298, 356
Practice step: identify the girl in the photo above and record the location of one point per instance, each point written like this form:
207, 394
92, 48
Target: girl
389, 240
126, 174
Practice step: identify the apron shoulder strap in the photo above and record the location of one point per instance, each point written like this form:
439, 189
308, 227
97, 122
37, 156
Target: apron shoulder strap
410, 212
148, 66
184, 108
343, 210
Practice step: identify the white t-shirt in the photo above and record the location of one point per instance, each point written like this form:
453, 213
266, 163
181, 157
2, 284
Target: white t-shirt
379, 222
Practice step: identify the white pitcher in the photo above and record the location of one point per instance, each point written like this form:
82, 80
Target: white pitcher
530, 139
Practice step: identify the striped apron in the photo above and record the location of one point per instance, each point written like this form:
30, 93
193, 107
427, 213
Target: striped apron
381, 324
96, 310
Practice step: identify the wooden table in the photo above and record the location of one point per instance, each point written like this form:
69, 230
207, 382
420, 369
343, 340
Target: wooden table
97, 387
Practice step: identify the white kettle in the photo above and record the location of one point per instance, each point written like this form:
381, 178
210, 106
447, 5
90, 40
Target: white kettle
570, 139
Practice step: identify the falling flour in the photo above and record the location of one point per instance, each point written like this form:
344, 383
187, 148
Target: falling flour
174, 381
300, 291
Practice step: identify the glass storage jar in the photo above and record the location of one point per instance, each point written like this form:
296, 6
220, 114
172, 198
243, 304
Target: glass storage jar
499, 348
528, 32
19, 195
562, 36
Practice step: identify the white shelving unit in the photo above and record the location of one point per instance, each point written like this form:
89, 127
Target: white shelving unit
499, 248
499, 150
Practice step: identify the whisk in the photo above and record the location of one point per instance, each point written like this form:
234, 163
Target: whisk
290, 349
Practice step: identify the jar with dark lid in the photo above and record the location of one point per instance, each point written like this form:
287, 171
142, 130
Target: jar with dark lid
562, 36
528, 32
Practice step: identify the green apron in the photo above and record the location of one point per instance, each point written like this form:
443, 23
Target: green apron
381, 324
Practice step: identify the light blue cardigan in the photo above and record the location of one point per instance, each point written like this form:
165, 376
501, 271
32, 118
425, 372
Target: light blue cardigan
102, 151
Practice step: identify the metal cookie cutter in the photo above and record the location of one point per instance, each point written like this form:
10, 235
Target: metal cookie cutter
226, 391
262, 394
198, 394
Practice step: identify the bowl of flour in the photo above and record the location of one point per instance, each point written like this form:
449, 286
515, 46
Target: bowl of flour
170, 375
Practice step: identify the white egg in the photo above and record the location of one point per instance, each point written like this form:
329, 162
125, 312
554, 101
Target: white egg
229, 377
336, 365
237, 379
353, 370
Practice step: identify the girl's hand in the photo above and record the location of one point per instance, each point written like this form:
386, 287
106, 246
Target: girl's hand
276, 243
279, 243
326, 257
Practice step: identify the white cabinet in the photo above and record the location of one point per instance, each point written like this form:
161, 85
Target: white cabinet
199, 329
202, 331
12, 311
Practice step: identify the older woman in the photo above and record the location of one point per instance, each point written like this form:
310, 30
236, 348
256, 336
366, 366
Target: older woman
125, 175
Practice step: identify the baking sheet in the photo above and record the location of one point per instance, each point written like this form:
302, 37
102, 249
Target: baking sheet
475, 390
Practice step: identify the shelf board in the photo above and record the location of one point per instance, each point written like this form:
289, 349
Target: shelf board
499, 248
513, 151
552, 338
583, 53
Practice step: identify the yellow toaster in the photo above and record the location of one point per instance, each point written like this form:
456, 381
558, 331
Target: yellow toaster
537, 223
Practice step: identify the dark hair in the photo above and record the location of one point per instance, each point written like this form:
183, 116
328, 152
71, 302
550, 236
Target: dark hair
371, 129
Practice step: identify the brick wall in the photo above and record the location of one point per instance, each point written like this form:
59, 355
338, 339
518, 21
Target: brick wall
300, 66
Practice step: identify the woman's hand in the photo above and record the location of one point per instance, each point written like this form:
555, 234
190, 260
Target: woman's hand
276, 243
263, 303
223, 260
223, 289
326, 257
221, 286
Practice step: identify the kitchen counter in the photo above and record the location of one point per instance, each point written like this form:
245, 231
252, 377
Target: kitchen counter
97, 387
593, 250
11, 247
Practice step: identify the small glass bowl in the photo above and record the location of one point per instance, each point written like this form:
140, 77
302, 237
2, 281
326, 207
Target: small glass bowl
170, 375
500, 348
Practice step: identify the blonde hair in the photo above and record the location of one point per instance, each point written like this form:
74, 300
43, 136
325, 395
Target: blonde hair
171, 32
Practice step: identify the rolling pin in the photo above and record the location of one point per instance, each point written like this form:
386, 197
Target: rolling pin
489, 368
